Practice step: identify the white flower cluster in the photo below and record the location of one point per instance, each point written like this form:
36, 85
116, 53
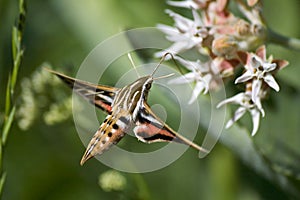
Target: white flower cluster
112, 180
42, 98
226, 41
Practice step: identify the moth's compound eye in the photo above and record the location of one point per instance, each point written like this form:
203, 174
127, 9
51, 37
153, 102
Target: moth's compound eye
148, 86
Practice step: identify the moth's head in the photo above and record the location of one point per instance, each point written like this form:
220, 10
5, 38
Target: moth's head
148, 80
140, 88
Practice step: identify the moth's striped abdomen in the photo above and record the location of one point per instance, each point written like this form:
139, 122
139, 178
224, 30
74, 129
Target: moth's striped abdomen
111, 131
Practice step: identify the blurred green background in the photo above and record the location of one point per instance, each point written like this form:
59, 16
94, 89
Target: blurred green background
42, 162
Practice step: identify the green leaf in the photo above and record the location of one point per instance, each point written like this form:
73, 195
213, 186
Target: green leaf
144, 54
17, 52
249, 150
1, 152
2, 181
14, 42
22, 10
15, 70
7, 97
7, 125
279, 138
238, 139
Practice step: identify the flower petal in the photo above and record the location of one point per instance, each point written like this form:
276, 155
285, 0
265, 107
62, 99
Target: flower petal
168, 30
244, 77
192, 66
181, 22
256, 87
237, 99
255, 61
269, 66
187, 78
261, 52
179, 38
221, 5
280, 63
251, 3
174, 49
255, 120
207, 79
197, 19
199, 87
237, 115
269, 79
184, 4
257, 102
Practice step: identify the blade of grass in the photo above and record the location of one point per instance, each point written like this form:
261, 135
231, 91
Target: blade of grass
14, 75
17, 53
14, 42
2, 181
8, 124
1, 153
7, 98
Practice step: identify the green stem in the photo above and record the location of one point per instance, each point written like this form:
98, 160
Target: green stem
143, 191
287, 42
10, 106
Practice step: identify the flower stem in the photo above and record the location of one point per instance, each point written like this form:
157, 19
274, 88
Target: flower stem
10, 107
287, 42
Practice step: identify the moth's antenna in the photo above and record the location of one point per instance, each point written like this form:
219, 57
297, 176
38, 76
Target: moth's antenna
176, 64
132, 63
163, 58
164, 76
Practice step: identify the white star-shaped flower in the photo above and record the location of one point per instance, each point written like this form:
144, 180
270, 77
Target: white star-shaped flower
201, 83
185, 35
259, 70
246, 104
199, 74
